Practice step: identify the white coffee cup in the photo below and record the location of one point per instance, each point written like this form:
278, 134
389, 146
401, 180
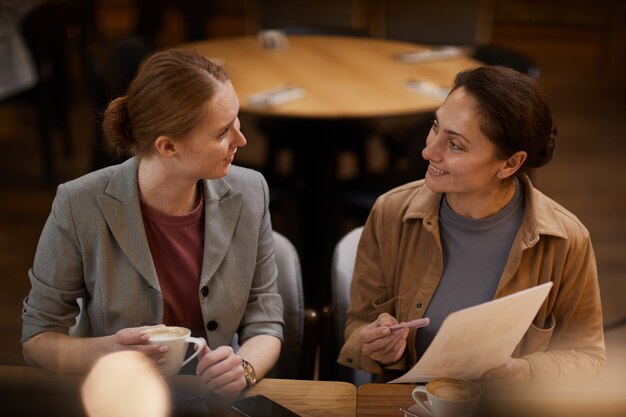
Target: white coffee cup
448, 397
176, 339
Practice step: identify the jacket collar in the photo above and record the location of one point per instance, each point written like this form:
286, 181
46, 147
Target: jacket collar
424, 205
539, 217
122, 211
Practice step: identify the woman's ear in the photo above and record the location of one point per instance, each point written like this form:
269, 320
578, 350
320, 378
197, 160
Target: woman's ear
512, 164
165, 146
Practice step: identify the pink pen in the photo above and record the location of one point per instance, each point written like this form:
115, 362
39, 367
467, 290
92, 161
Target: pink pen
413, 323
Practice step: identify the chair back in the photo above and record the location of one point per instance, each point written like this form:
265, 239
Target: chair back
329, 14
290, 288
466, 23
344, 257
447, 22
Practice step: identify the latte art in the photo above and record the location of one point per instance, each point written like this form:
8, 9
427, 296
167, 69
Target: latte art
168, 334
452, 391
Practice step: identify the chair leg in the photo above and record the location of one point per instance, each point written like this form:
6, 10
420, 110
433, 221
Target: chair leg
310, 344
329, 369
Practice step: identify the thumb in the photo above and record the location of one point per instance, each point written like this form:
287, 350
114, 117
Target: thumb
204, 349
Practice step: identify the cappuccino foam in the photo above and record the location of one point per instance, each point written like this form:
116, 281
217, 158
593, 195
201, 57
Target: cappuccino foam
452, 390
163, 335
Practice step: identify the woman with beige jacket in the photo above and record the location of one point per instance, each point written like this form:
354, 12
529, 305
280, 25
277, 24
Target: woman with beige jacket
475, 229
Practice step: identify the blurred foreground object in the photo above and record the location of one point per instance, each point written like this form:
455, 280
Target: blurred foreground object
125, 384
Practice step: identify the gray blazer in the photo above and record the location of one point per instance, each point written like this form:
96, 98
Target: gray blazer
93, 246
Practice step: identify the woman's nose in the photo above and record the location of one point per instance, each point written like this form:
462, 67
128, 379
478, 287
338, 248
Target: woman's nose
430, 151
240, 140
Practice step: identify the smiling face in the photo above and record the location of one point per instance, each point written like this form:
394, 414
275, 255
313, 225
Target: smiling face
462, 160
209, 150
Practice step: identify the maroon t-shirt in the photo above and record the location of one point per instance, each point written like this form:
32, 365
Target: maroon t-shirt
177, 246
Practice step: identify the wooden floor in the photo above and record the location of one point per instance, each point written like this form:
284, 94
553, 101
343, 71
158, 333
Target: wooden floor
588, 175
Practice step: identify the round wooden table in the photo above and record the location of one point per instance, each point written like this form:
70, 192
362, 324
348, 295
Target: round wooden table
342, 77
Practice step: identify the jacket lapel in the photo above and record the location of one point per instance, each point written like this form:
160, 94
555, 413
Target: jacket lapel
221, 212
122, 212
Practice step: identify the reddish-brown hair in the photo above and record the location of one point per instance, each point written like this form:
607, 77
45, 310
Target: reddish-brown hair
167, 97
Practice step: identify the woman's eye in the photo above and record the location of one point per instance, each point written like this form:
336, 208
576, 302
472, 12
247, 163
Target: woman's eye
434, 125
454, 146
223, 134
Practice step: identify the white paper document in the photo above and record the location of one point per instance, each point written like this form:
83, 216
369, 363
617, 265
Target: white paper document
478, 338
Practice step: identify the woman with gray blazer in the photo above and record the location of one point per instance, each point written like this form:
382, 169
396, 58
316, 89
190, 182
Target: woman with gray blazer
174, 235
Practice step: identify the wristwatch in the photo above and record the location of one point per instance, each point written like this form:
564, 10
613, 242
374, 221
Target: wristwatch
248, 373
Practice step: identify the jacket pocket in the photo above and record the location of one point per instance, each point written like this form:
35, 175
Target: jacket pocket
383, 305
536, 338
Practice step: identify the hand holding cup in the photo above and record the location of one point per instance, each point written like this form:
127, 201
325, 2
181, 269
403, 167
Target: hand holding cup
176, 339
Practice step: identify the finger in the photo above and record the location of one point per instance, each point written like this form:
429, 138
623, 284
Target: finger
209, 365
377, 346
151, 350
134, 335
392, 353
203, 351
232, 389
385, 319
394, 345
386, 343
226, 377
373, 332
395, 354
127, 337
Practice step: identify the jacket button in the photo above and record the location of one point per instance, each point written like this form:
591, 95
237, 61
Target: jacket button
419, 305
212, 325
205, 291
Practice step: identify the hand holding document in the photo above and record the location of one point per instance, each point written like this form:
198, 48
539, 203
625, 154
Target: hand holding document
478, 338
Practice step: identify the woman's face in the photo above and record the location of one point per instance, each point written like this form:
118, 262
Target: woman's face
209, 150
462, 161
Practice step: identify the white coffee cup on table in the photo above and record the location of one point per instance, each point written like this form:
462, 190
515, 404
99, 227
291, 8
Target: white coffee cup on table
176, 339
447, 397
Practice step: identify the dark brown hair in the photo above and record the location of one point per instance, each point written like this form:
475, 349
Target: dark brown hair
515, 113
168, 96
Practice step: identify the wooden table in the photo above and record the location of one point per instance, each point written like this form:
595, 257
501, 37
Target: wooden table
306, 398
350, 85
342, 76
385, 400
26, 391
381, 400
